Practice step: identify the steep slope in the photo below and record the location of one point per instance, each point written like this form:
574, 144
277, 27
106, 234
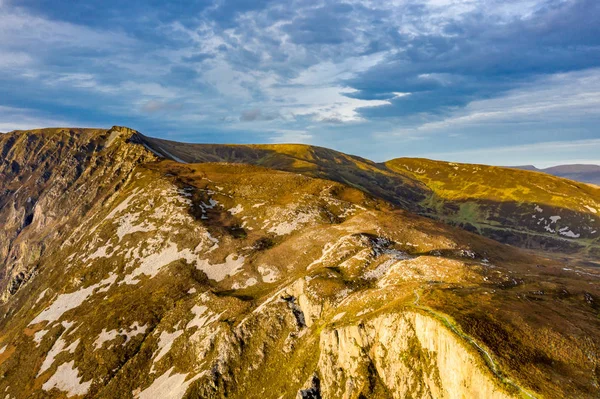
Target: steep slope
49, 180
223, 280
523, 208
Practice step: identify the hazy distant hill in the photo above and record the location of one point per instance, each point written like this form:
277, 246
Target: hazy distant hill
578, 172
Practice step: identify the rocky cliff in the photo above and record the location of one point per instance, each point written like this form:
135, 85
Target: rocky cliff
160, 279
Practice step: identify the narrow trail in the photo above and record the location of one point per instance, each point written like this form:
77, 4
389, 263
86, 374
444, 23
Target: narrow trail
489, 360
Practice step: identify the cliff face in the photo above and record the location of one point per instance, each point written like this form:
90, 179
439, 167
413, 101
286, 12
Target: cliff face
159, 279
402, 355
49, 180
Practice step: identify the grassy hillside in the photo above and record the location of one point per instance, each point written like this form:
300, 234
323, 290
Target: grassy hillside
160, 279
525, 208
522, 208
311, 161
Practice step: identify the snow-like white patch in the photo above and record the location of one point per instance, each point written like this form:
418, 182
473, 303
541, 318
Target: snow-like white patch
538, 209
165, 341
245, 284
342, 294
380, 270
237, 209
287, 227
338, 316
210, 238
152, 264
268, 275
186, 192
232, 265
568, 233
554, 219
100, 252
123, 205
467, 253
106, 336
134, 329
549, 229
38, 336
258, 205
202, 317
211, 204
42, 294
167, 153
66, 302
363, 312
192, 290
168, 386
3, 349
58, 347
152, 151
127, 226
66, 379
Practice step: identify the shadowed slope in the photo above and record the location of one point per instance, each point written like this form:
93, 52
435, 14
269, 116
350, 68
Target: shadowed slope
309, 160
500, 203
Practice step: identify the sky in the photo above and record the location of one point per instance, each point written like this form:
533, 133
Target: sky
503, 82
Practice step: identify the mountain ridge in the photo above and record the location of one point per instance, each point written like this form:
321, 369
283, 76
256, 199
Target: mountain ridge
144, 277
586, 173
409, 191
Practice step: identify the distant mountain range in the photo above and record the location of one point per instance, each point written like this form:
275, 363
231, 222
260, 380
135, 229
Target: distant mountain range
578, 172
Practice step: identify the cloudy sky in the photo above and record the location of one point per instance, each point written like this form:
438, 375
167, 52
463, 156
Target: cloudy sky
489, 81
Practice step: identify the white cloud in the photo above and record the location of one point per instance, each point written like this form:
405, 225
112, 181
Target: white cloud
23, 119
541, 154
10, 60
326, 103
292, 136
552, 98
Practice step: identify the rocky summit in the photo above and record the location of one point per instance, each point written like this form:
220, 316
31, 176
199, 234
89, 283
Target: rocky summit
134, 267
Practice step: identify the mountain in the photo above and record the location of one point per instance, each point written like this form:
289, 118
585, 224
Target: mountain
271, 272
527, 167
578, 172
584, 173
531, 210
528, 210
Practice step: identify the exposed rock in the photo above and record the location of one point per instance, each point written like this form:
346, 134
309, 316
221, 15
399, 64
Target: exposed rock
128, 274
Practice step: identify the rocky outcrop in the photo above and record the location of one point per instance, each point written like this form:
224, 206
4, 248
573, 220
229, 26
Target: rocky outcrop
130, 277
51, 178
401, 355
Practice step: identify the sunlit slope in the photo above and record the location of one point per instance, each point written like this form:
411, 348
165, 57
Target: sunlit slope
132, 276
521, 207
309, 160
221, 280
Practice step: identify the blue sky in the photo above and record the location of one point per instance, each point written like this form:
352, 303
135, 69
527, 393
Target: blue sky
489, 81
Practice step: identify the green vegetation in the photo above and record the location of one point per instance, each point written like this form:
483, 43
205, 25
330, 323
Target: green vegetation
237, 280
